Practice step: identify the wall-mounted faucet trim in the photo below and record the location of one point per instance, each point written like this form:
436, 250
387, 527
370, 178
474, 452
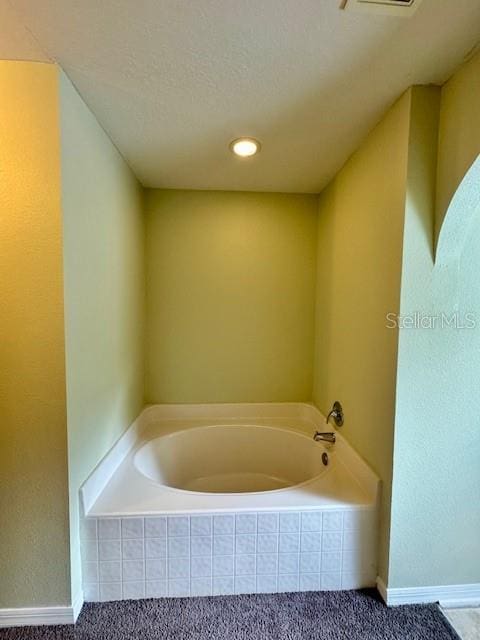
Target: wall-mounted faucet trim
336, 413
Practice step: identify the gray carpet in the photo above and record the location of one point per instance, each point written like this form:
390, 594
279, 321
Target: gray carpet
334, 615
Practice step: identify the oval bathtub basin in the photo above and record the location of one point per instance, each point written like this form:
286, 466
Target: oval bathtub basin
230, 459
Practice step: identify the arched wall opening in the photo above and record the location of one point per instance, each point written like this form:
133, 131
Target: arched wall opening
459, 222
436, 475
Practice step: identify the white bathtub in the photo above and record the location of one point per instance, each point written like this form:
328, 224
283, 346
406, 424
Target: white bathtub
240, 458
223, 499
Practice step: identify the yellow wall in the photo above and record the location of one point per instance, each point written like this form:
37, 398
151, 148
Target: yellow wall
459, 132
104, 295
361, 217
230, 296
231, 283
33, 442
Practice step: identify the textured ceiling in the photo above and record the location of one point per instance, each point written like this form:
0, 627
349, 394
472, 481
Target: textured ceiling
173, 81
16, 42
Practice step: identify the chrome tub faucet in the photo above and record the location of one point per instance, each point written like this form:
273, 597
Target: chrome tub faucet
329, 437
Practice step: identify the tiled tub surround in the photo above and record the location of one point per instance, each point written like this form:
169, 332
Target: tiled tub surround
141, 539
221, 554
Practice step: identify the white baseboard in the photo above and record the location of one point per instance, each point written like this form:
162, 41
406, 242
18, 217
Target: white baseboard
448, 596
77, 605
36, 616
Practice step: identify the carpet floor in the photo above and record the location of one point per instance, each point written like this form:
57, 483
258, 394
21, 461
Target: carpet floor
333, 615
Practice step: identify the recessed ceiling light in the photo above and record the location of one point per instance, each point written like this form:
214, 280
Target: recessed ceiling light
245, 147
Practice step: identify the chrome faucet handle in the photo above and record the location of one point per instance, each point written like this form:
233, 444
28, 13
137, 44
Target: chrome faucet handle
336, 413
327, 436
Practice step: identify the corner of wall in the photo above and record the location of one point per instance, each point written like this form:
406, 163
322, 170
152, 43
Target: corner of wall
33, 455
103, 259
459, 134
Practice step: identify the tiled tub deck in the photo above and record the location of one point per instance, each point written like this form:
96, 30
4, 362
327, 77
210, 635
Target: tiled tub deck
228, 553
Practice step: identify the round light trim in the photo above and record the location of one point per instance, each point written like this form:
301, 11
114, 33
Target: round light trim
245, 147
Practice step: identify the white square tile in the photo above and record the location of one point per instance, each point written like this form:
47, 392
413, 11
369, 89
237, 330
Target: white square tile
331, 561
201, 545
245, 543
90, 572
331, 581
91, 592
201, 525
245, 584
357, 561
156, 588
223, 586
223, 525
133, 590
312, 521
355, 580
350, 581
289, 522
179, 547
89, 550
246, 523
333, 521
223, 545
288, 583
110, 571
133, 570
267, 563
109, 550
331, 540
178, 567
201, 587
309, 562
132, 549
309, 582
352, 540
88, 529
359, 519
201, 567
267, 543
288, 563
311, 541
155, 547
223, 565
244, 565
155, 527
351, 519
178, 526
132, 528
156, 569
109, 528
179, 588
266, 584
267, 523
289, 543
110, 591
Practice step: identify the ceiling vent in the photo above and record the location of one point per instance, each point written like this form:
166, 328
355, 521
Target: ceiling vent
386, 7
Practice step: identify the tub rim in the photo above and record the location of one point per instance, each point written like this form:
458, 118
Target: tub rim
113, 490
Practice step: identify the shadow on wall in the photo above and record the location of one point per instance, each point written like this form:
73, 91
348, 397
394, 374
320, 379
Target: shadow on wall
462, 212
462, 215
